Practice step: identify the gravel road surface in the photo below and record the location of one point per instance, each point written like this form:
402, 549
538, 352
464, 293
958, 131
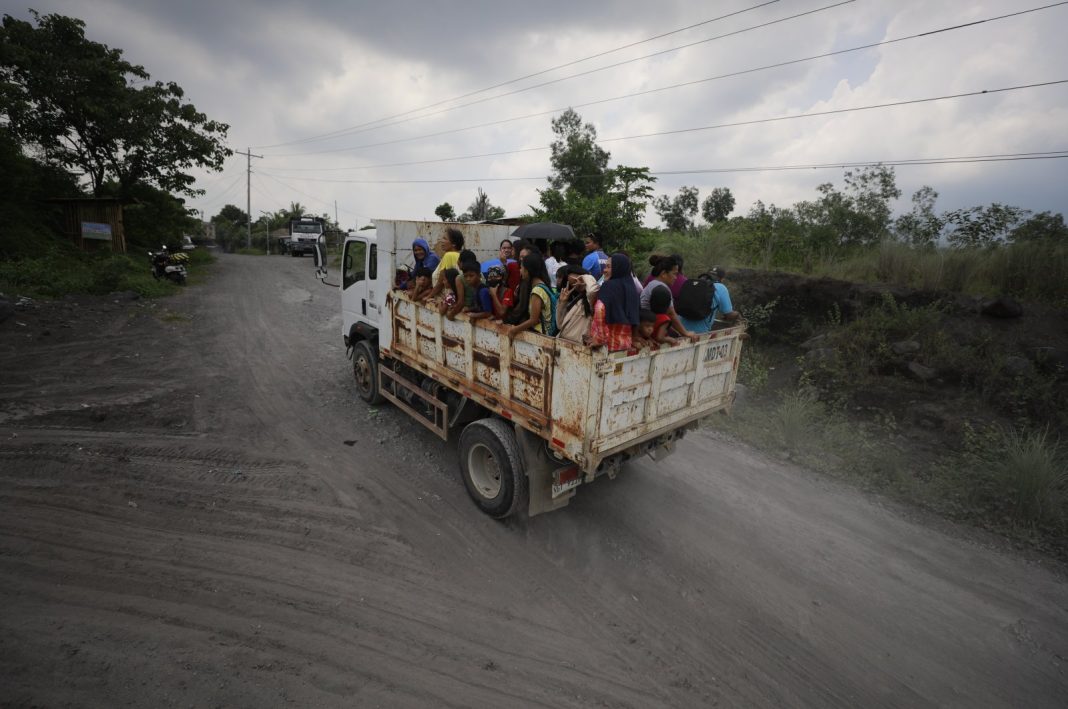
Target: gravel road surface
196, 510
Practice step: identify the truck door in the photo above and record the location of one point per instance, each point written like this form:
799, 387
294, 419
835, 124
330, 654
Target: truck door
359, 267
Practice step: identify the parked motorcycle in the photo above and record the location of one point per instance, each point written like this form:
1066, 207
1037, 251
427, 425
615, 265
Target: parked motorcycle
169, 266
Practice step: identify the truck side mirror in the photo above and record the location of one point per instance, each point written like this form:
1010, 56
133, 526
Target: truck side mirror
320, 256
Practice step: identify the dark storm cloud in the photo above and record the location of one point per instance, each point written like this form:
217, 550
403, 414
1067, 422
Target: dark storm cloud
280, 71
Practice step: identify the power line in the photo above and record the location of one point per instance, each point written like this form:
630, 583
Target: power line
953, 160
224, 193
645, 92
309, 196
836, 111
354, 130
325, 136
736, 124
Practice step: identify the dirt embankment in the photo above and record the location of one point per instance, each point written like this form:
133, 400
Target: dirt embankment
946, 343
195, 509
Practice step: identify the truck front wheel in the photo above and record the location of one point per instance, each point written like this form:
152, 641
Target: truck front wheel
492, 467
365, 370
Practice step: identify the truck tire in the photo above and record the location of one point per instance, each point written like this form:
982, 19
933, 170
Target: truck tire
492, 467
365, 370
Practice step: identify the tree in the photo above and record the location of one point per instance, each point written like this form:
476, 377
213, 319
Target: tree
718, 205
80, 106
616, 214
857, 216
921, 227
445, 212
1044, 226
25, 185
982, 227
156, 218
632, 188
577, 161
678, 213
481, 209
230, 227
585, 193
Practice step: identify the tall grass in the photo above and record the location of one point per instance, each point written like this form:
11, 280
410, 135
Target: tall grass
1034, 477
701, 249
1032, 271
793, 420
1036, 271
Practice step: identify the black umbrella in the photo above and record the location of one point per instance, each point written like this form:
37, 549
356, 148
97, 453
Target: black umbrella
545, 230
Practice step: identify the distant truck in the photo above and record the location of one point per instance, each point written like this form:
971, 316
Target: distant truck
537, 415
304, 233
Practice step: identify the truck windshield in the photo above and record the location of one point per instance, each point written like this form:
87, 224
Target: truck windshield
307, 229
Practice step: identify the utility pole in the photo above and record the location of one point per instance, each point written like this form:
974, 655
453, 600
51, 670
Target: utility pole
337, 227
248, 193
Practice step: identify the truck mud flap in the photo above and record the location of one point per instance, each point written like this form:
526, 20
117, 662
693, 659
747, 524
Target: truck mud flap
539, 468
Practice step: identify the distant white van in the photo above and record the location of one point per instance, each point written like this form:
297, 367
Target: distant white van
187, 243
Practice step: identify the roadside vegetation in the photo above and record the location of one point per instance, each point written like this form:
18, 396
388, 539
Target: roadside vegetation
77, 120
920, 355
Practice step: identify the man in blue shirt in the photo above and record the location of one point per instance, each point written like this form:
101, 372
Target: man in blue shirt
595, 259
723, 313
503, 261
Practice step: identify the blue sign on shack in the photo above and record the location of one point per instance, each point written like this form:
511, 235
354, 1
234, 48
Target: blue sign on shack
96, 230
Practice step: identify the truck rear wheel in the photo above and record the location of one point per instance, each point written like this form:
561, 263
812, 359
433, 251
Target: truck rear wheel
492, 467
365, 370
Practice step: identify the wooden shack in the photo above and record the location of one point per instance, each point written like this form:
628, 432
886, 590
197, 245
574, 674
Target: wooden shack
94, 223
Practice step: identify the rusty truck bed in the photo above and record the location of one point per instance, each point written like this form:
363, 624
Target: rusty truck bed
587, 404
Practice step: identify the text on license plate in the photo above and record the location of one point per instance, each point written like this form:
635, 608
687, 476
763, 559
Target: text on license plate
561, 488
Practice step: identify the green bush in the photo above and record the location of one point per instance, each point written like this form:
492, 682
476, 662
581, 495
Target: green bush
64, 270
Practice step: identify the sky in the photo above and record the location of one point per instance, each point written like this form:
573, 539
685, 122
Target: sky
329, 92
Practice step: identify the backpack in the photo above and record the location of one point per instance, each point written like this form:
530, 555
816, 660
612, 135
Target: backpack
549, 324
695, 299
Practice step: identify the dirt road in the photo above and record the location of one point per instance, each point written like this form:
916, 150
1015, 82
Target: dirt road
196, 510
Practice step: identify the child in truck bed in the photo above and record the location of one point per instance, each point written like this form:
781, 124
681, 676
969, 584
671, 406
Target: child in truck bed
420, 290
643, 332
660, 305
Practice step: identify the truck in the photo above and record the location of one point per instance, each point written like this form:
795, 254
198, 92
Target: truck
304, 233
537, 416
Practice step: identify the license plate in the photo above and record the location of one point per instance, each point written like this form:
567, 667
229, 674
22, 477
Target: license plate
561, 488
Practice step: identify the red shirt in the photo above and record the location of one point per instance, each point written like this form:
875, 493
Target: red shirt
660, 328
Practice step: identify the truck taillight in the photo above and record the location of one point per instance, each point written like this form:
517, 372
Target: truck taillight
565, 475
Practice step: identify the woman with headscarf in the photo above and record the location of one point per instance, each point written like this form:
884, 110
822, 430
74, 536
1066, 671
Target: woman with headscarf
540, 300
616, 313
574, 310
424, 257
